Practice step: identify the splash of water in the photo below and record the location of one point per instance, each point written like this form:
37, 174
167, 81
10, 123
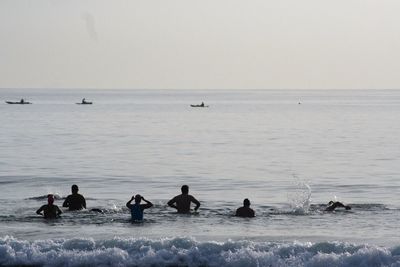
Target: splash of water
299, 200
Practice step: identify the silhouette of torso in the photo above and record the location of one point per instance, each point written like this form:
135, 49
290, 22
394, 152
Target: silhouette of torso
183, 202
75, 202
49, 211
245, 212
137, 211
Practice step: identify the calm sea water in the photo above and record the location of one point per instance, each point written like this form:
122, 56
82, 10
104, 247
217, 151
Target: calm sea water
289, 152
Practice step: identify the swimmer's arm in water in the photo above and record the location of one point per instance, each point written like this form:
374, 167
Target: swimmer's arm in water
171, 203
334, 205
340, 204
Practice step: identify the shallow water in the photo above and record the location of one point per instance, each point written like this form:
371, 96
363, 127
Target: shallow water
288, 158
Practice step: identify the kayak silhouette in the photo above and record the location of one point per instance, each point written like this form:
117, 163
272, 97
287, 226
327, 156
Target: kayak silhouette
18, 102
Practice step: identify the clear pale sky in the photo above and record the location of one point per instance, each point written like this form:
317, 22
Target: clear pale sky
267, 44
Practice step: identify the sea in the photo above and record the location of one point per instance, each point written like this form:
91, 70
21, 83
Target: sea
289, 152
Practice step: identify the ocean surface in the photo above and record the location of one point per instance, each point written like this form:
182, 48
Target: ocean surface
288, 151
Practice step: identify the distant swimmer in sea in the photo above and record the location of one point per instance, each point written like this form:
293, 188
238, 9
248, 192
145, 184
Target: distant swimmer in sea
182, 202
202, 104
332, 205
50, 211
75, 201
83, 101
245, 211
137, 208
22, 101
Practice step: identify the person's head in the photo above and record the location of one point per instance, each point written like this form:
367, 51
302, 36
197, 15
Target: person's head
138, 198
74, 189
330, 203
246, 202
50, 199
185, 189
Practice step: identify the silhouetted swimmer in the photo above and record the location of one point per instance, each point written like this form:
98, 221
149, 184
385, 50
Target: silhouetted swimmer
202, 104
83, 101
245, 211
137, 208
75, 201
50, 211
182, 202
22, 101
332, 205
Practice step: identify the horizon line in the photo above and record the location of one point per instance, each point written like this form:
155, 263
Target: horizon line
92, 88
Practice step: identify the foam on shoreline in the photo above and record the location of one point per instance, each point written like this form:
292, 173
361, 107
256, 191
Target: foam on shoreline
189, 252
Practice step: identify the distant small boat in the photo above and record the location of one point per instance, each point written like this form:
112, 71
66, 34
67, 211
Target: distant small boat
199, 106
18, 103
84, 102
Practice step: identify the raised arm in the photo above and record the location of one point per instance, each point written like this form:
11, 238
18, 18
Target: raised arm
172, 202
148, 204
128, 204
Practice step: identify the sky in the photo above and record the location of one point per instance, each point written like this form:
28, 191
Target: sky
205, 44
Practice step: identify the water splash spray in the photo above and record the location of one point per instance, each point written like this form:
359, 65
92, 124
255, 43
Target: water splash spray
300, 198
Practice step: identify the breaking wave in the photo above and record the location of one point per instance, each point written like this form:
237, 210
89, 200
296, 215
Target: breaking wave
189, 252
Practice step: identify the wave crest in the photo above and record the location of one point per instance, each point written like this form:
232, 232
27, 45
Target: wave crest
189, 252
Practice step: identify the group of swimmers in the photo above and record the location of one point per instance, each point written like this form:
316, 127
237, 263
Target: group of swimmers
74, 201
181, 203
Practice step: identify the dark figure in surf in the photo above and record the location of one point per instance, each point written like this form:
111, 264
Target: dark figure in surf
202, 104
182, 202
50, 211
137, 208
22, 101
332, 205
75, 201
245, 211
83, 101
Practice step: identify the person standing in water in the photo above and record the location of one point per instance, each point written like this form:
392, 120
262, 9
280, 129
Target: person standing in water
75, 201
182, 202
245, 211
137, 208
50, 211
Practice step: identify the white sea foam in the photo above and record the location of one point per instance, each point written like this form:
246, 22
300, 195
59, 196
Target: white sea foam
189, 252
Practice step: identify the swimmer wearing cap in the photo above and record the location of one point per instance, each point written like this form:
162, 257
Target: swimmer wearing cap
137, 208
50, 211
